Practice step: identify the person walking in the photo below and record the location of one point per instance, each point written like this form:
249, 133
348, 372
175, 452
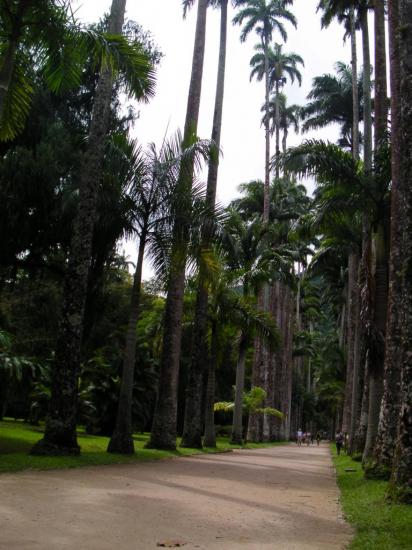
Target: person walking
299, 437
318, 438
339, 441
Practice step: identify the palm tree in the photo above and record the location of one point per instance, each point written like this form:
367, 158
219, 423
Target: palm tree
47, 31
386, 437
60, 433
331, 101
163, 434
192, 430
265, 18
289, 116
402, 465
153, 179
244, 259
281, 66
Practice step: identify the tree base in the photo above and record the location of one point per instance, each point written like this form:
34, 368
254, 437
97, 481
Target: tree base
160, 445
123, 445
236, 441
373, 470
46, 448
401, 494
191, 443
211, 443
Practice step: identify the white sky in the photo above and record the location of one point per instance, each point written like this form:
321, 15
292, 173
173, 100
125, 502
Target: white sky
242, 135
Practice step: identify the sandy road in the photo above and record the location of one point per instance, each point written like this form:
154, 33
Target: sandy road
281, 498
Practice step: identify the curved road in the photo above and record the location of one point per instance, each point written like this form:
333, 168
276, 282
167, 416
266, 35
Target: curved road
279, 498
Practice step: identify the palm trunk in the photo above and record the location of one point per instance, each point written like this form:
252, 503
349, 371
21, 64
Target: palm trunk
379, 237
266, 192
284, 140
353, 264
237, 429
209, 439
386, 438
364, 276
277, 130
122, 438
60, 433
164, 427
192, 431
401, 483
355, 92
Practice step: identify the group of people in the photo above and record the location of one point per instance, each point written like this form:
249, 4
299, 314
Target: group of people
307, 437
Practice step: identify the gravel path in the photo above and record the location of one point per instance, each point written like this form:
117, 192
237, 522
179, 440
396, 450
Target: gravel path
279, 498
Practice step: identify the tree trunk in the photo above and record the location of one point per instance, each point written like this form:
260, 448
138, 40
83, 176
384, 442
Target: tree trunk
237, 429
192, 431
163, 435
355, 91
122, 438
353, 265
209, 439
284, 140
266, 192
379, 239
386, 438
60, 433
277, 130
401, 480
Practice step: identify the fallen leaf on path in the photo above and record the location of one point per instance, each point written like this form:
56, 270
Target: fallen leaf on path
171, 543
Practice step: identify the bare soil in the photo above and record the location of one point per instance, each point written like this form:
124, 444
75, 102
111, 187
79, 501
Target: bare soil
280, 498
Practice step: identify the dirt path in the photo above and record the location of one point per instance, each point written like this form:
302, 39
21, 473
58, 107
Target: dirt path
281, 498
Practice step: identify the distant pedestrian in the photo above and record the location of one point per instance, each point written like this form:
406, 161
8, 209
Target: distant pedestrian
339, 441
312, 438
299, 437
318, 438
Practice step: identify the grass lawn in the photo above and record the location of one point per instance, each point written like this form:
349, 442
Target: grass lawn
17, 438
379, 525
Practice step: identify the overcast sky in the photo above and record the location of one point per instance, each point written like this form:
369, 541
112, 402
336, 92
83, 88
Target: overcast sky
242, 134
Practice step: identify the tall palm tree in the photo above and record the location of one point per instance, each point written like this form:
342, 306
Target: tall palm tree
192, 430
289, 116
264, 17
388, 422
281, 67
331, 101
60, 433
163, 434
402, 466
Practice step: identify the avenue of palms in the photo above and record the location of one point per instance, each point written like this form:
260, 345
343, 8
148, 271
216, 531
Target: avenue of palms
284, 309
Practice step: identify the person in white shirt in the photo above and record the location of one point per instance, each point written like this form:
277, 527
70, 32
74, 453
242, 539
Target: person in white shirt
299, 437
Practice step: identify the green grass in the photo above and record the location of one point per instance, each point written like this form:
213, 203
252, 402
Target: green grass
379, 525
17, 438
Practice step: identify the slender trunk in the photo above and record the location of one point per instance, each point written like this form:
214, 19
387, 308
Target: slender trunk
381, 93
379, 245
277, 130
284, 140
401, 480
357, 371
255, 421
122, 438
237, 429
386, 438
192, 430
367, 108
355, 90
266, 192
209, 439
163, 435
353, 264
60, 433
